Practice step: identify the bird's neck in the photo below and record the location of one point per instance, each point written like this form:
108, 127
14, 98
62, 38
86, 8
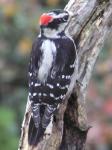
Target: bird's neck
52, 33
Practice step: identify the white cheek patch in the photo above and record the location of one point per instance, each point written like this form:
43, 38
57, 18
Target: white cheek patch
61, 15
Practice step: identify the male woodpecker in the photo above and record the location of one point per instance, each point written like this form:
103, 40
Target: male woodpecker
52, 66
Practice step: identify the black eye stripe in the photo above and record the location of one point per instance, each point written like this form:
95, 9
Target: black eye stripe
57, 21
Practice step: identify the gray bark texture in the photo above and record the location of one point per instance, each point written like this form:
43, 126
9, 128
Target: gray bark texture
89, 28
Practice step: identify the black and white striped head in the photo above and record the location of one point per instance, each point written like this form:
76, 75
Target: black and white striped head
55, 20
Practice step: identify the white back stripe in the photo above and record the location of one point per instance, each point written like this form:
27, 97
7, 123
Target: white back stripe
49, 52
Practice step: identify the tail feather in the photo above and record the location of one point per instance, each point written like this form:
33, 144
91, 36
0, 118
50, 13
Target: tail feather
34, 134
49, 111
40, 123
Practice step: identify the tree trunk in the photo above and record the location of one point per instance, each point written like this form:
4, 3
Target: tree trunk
89, 27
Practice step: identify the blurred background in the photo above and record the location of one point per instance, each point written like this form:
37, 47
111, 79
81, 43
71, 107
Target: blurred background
18, 28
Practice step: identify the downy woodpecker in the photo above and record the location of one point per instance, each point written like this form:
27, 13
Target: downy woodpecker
52, 65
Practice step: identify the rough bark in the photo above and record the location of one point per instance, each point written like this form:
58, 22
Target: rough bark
90, 26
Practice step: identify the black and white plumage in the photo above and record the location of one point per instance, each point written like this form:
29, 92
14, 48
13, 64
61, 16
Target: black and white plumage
51, 70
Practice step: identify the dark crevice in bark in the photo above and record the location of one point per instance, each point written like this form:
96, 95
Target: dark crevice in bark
73, 137
71, 113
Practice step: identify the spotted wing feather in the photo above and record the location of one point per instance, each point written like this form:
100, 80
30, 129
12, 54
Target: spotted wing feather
52, 92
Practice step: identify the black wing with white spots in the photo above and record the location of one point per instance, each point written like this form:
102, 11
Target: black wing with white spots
45, 96
57, 83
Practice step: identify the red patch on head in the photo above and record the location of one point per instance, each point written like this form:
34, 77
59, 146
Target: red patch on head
45, 19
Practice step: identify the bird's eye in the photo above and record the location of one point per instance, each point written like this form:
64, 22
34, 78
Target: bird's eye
65, 18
